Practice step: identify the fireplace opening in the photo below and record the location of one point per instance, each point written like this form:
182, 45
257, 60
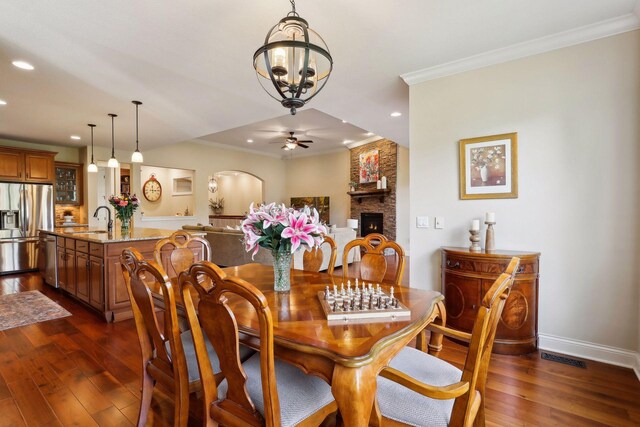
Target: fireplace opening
370, 223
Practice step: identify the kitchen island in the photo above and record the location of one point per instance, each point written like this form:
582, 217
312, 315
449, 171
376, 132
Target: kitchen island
87, 265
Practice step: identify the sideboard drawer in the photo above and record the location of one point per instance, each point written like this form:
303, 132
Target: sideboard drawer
488, 266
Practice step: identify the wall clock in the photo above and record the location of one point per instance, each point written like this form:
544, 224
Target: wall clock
151, 189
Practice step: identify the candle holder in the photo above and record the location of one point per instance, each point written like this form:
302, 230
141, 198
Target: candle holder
489, 241
475, 241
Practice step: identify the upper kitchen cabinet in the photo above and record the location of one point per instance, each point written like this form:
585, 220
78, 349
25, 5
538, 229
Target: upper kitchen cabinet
20, 165
68, 183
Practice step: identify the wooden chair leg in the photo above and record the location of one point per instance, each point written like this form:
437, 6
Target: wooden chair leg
435, 341
148, 383
181, 413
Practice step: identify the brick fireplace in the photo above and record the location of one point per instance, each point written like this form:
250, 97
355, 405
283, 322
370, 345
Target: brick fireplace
382, 204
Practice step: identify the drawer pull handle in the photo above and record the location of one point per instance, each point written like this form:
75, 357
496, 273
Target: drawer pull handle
456, 265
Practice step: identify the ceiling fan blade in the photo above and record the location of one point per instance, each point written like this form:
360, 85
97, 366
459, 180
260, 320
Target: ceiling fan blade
302, 145
308, 141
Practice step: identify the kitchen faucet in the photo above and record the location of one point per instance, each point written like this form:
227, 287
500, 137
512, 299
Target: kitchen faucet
110, 222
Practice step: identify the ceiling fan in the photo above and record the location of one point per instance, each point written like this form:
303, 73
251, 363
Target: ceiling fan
292, 142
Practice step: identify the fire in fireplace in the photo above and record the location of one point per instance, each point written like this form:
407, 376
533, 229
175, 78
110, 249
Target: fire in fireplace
370, 223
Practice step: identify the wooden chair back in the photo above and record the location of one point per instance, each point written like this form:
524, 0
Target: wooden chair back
143, 277
373, 265
181, 256
312, 259
471, 404
215, 318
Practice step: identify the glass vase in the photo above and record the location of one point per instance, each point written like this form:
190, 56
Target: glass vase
125, 223
282, 270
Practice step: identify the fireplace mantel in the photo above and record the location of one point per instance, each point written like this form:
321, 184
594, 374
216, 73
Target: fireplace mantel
358, 195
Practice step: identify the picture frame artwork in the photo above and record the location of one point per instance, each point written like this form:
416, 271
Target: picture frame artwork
369, 166
489, 167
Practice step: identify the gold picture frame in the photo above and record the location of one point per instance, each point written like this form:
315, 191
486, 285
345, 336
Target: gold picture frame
489, 167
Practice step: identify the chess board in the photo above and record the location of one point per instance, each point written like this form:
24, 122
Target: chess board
370, 305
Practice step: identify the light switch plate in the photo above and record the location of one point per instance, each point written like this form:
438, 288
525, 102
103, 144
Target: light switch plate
422, 221
439, 223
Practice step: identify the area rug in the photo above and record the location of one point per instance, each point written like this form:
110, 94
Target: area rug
25, 308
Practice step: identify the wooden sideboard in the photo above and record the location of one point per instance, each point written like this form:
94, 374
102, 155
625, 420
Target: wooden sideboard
467, 276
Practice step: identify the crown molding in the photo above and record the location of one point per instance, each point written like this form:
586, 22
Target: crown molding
609, 27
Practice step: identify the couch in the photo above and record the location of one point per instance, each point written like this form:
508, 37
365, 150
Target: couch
228, 250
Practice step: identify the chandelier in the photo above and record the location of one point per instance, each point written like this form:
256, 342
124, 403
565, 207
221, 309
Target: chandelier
295, 61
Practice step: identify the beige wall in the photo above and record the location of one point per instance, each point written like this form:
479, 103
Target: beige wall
576, 111
322, 175
403, 219
239, 190
170, 203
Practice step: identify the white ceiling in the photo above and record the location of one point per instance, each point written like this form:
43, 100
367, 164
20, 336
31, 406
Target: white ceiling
190, 63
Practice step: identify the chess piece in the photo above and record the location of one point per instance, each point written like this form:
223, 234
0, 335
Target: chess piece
335, 290
326, 292
391, 293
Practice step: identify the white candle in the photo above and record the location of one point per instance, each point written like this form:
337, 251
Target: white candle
490, 217
379, 185
384, 182
475, 224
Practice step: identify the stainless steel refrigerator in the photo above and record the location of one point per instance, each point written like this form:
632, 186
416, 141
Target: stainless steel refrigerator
24, 209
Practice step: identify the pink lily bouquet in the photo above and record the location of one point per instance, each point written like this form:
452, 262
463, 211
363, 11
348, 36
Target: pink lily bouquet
282, 229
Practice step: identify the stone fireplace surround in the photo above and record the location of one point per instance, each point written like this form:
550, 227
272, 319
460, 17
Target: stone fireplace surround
388, 157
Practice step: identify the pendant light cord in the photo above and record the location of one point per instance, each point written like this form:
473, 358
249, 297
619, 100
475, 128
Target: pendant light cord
91, 143
113, 154
137, 127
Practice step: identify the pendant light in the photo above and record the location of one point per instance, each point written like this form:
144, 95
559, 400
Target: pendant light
92, 167
113, 162
294, 63
136, 157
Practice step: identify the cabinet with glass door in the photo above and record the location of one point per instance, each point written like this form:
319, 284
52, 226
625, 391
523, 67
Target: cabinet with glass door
68, 183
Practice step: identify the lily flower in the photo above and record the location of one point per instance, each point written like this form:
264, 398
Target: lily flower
299, 231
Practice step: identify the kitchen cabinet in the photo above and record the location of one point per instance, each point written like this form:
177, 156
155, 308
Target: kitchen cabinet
82, 276
21, 165
467, 276
66, 270
68, 183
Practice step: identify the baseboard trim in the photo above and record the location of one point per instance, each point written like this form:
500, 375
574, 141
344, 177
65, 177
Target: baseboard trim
586, 350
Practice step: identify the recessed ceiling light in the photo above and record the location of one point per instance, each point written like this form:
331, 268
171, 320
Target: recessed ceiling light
369, 134
76, 137
3, 102
23, 65
347, 141
396, 114
250, 141
344, 121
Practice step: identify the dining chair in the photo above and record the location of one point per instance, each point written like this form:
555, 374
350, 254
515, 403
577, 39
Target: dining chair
312, 259
262, 390
182, 244
373, 264
168, 356
420, 389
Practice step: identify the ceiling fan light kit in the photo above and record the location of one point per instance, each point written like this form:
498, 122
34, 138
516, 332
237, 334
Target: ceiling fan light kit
292, 142
294, 63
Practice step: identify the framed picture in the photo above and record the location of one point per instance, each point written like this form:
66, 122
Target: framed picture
489, 167
322, 204
369, 166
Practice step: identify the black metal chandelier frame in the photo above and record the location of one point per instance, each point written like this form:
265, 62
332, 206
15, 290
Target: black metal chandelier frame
292, 93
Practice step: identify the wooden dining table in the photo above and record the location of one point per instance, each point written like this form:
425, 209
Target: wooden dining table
347, 355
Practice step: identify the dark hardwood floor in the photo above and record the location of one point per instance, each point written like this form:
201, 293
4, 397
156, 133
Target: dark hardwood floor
80, 371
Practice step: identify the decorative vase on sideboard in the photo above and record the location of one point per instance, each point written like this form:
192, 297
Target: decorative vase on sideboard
467, 276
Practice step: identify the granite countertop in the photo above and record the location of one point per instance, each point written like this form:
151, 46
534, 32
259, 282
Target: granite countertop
97, 235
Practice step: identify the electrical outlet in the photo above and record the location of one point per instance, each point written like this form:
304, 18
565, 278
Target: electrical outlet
422, 221
439, 223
